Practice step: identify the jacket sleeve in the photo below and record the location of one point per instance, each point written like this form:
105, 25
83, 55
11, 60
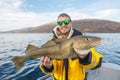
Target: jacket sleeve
92, 61
46, 70
43, 68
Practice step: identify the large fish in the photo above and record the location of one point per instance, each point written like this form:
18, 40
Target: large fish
61, 50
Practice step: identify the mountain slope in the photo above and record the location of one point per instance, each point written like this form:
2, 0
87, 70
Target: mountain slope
85, 25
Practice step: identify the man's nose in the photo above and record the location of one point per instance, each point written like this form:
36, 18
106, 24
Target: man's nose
63, 24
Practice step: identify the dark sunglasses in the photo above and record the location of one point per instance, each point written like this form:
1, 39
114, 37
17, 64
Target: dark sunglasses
66, 22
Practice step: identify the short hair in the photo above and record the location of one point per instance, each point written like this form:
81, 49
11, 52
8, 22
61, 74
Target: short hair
64, 14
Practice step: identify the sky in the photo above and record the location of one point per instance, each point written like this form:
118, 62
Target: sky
18, 14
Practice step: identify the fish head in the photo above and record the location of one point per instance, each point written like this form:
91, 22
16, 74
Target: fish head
85, 42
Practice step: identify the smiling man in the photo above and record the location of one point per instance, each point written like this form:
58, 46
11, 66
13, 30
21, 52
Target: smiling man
70, 69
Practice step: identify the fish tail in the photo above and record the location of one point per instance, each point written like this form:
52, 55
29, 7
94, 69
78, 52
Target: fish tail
18, 61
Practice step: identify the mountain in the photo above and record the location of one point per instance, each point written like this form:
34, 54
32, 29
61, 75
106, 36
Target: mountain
84, 25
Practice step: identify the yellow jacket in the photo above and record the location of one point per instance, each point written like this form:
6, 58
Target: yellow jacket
76, 71
76, 67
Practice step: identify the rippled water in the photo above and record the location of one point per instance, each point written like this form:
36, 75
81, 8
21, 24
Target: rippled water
15, 44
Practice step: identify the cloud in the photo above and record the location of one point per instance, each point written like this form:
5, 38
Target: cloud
12, 17
17, 20
110, 14
10, 5
24, 19
75, 13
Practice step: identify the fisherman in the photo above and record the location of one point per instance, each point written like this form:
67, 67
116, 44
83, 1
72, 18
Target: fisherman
70, 69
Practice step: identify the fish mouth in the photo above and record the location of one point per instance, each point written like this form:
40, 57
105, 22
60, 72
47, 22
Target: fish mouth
82, 51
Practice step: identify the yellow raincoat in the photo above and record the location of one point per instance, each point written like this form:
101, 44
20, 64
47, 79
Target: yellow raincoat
76, 68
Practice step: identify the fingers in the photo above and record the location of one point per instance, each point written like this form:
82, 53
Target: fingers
46, 62
42, 59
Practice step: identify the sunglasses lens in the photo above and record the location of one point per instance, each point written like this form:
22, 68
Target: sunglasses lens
60, 23
66, 22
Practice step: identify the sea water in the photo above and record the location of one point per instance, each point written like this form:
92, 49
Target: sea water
12, 45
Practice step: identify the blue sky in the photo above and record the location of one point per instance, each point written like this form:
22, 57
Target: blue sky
17, 14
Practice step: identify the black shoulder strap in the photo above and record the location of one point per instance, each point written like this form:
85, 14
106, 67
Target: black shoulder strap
66, 63
76, 32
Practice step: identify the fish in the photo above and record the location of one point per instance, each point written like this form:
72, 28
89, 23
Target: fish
64, 49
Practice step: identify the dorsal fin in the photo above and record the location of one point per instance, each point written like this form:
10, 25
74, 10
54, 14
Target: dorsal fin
30, 47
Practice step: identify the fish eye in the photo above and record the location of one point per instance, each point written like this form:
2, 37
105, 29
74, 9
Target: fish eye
87, 39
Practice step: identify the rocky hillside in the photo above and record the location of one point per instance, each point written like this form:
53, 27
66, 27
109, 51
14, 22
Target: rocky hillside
85, 25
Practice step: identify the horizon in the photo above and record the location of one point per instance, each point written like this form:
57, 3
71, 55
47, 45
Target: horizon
19, 14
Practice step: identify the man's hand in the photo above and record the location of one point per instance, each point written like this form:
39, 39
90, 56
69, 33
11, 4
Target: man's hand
46, 61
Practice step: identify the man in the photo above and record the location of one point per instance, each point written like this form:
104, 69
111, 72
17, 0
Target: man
72, 69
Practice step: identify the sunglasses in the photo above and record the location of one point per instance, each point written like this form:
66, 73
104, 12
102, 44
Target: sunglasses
66, 22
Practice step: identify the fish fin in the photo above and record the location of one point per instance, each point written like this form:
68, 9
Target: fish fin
18, 61
53, 42
30, 47
48, 44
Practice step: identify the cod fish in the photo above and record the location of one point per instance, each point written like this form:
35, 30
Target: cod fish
63, 49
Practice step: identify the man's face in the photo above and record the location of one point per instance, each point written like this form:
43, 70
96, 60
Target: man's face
64, 27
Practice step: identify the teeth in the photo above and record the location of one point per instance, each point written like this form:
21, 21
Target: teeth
82, 51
